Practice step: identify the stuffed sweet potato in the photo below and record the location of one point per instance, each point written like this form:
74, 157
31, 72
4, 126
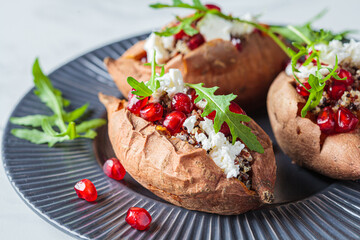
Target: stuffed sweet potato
168, 143
233, 56
327, 138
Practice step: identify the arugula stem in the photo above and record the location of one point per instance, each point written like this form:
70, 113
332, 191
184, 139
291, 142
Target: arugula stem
299, 34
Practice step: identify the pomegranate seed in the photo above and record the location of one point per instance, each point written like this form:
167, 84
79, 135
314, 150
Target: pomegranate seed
86, 189
152, 112
182, 102
212, 6
180, 35
237, 43
138, 218
173, 121
113, 169
195, 41
345, 74
336, 90
225, 127
134, 104
302, 91
345, 120
326, 120
192, 94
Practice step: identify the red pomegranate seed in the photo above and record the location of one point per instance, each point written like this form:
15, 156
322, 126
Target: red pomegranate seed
86, 189
195, 41
345, 74
152, 112
182, 102
134, 104
174, 121
237, 43
302, 91
180, 35
113, 169
326, 120
192, 94
138, 218
235, 108
336, 90
213, 6
345, 120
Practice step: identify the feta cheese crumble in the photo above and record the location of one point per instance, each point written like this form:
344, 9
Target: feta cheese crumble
155, 42
213, 27
170, 83
220, 149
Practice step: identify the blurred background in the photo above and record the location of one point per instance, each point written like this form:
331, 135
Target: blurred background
57, 31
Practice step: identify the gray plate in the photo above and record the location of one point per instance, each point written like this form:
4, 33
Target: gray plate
307, 204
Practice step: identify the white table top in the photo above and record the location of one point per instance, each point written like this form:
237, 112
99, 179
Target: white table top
58, 31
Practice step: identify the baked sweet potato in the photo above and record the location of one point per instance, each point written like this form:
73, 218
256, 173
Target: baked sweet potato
300, 138
247, 73
182, 174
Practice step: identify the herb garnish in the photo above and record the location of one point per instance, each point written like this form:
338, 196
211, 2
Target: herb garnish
64, 121
147, 89
221, 104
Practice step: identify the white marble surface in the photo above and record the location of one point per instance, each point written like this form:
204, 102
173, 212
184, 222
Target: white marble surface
58, 31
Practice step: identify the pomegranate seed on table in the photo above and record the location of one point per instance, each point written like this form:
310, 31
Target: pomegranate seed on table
134, 104
138, 218
237, 43
345, 120
212, 6
182, 102
195, 41
152, 112
85, 189
174, 121
336, 90
114, 169
345, 74
326, 120
302, 91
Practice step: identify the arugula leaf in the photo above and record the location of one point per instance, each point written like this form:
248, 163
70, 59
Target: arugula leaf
147, 89
62, 120
32, 120
37, 137
221, 104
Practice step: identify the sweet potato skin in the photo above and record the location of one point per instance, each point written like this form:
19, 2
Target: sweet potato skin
247, 73
299, 138
181, 174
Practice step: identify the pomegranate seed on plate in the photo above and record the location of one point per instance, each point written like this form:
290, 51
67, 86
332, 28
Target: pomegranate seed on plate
213, 6
336, 90
86, 189
174, 121
326, 120
138, 218
345, 120
134, 104
345, 74
152, 112
182, 102
195, 41
302, 91
113, 169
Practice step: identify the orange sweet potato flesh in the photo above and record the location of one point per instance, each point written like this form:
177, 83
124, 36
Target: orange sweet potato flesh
247, 73
299, 138
182, 174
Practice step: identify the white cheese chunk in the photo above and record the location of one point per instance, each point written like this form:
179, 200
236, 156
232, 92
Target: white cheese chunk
171, 83
214, 27
189, 123
155, 42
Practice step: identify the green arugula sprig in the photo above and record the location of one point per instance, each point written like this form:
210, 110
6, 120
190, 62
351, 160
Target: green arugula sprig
185, 23
142, 89
221, 104
62, 120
